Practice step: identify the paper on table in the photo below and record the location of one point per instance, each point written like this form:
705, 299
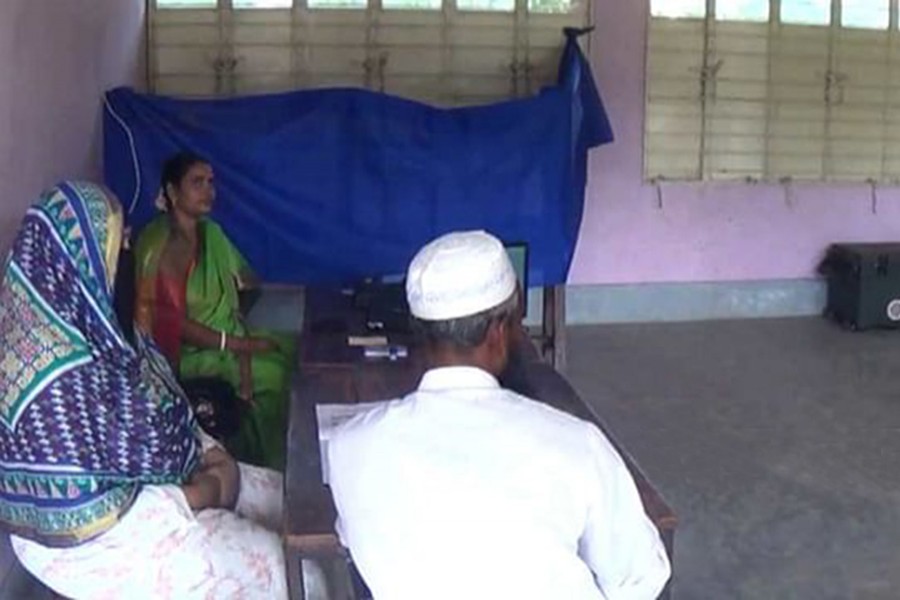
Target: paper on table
367, 340
331, 416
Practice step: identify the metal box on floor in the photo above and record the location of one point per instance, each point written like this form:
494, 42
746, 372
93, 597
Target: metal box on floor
863, 284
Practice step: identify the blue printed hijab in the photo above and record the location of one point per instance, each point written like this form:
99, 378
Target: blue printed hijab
86, 418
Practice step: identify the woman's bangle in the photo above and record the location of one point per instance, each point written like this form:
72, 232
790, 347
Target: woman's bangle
223, 340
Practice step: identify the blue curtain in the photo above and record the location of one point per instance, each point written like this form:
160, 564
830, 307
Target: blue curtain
328, 186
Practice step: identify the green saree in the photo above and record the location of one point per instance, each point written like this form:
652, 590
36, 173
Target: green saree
211, 299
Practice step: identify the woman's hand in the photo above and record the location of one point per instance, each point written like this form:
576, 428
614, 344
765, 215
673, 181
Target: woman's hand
250, 345
220, 465
256, 345
215, 484
201, 491
198, 334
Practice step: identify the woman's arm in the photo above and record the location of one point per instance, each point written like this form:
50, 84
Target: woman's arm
143, 303
202, 491
198, 334
245, 366
215, 483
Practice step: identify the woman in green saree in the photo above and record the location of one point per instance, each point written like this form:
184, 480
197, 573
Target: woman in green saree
189, 276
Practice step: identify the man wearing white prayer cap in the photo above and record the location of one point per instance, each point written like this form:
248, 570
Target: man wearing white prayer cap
465, 490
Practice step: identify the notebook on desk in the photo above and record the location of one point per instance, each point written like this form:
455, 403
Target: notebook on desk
332, 416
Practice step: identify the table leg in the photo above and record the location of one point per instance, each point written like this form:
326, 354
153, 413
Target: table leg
668, 538
553, 327
294, 566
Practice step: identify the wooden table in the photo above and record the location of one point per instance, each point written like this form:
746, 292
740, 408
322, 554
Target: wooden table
332, 372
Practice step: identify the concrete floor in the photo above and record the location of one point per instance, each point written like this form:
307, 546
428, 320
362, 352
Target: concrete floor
777, 442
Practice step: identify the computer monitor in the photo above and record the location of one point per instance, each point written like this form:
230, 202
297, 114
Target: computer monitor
518, 256
384, 300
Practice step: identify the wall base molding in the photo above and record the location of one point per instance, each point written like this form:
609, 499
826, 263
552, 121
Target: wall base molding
649, 302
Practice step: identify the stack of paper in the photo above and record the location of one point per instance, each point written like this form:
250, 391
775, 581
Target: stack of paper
331, 416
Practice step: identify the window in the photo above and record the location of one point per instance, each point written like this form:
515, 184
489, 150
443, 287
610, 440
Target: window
262, 3
445, 52
742, 10
546, 6
806, 12
805, 97
186, 3
411, 4
866, 14
215, 3
325, 4
491, 5
678, 8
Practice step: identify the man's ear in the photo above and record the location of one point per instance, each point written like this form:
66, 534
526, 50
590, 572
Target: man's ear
520, 302
498, 342
496, 332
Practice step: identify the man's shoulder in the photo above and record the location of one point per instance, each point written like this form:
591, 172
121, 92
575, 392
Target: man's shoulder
518, 413
367, 421
542, 413
574, 438
507, 401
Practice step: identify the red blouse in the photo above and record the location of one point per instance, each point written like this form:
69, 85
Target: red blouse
171, 311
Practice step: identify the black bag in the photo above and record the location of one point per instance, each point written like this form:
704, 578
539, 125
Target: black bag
216, 406
863, 284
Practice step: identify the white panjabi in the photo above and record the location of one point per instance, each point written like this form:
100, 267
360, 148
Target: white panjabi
458, 275
463, 489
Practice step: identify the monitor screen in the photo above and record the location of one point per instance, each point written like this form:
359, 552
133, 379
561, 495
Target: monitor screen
518, 256
392, 287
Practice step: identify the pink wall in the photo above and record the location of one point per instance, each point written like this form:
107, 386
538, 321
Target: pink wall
56, 59
704, 232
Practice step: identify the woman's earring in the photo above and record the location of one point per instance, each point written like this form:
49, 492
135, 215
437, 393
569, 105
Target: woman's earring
160, 202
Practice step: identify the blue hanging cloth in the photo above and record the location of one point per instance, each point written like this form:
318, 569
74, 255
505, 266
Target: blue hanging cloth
328, 186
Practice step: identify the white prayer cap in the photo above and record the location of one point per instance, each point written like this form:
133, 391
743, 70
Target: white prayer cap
458, 275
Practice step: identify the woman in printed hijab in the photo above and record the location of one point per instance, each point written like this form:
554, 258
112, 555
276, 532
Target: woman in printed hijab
107, 484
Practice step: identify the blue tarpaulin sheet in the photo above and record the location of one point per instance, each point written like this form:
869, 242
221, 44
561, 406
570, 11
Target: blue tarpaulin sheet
331, 185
